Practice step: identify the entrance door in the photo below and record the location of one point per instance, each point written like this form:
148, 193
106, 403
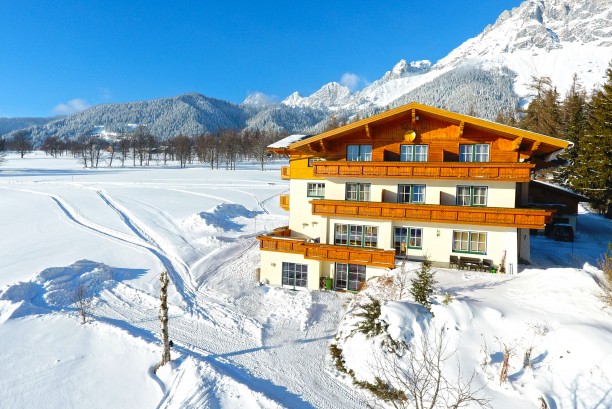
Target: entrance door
400, 241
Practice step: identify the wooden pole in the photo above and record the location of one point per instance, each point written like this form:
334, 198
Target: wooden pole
163, 317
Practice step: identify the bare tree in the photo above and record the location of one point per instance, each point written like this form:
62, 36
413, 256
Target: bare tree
182, 149
21, 143
605, 264
163, 317
82, 299
414, 376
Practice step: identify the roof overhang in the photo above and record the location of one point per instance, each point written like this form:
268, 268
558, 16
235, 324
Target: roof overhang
543, 144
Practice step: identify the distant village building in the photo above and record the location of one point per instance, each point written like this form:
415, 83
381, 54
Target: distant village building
409, 182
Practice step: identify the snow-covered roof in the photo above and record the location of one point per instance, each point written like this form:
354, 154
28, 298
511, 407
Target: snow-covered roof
285, 142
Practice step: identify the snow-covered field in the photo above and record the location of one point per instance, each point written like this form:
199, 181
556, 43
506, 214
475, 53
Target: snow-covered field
238, 344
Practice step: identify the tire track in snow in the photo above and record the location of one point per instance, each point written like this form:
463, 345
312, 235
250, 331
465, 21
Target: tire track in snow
197, 302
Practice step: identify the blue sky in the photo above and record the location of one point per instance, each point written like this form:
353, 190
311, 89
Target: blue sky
61, 56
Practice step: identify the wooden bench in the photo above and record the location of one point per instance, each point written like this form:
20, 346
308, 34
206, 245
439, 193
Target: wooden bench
470, 262
488, 264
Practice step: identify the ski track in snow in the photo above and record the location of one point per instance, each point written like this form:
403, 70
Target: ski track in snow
218, 332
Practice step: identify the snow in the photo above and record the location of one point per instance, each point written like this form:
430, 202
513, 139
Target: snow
285, 142
238, 344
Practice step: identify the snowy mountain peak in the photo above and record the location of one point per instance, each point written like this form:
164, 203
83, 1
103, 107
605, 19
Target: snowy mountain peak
404, 69
258, 99
328, 96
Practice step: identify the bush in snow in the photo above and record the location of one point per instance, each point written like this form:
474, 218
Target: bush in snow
606, 287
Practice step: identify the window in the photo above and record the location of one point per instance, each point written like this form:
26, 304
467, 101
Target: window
295, 275
470, 242
358, 192
407, 238
474, 153
316, 189
471, 195
413, 153
411, 193
359, 152
355, 235
341, 234
311, 160
349, 276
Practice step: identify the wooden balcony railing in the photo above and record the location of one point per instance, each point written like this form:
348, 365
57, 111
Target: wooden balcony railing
487, 216
513, 172
284, 202
277, 241
285, 172
353, 255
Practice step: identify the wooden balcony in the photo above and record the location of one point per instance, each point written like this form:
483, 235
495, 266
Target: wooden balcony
284, 202
512, 172
353, 255
278, 241
485, 216
285, 172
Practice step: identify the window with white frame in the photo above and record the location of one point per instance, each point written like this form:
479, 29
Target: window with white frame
413, 153
359, 192
359, 152
478, 152
295, 275
469, 242
407, 238
411, 193
472, 195
349, 276
355, 235
316, 189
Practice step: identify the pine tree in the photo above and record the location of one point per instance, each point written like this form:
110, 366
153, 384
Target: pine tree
573, 117
423, 285
542, 114
592, 173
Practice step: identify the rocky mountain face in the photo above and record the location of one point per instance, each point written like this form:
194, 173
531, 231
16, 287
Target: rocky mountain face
483, 76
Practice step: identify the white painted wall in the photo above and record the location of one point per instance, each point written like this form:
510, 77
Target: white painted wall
437, 191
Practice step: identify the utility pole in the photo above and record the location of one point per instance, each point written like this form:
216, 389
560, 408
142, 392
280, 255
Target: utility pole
163, 317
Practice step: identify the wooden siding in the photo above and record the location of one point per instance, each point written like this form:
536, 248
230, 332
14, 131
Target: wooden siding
284, 202
285, 172
511, 172
484, 216
277, 241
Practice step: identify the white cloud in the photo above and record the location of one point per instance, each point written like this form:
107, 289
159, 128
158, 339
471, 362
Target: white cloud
353, 81
260, 98
71, 107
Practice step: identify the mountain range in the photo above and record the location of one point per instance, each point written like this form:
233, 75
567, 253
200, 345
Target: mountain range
483, 76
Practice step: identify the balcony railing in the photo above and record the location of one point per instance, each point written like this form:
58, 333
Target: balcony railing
513, 172
285, 172
284, 202
487, 216
278, 241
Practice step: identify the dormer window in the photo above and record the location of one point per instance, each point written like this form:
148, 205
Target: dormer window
478, 152
413, 153
361, 153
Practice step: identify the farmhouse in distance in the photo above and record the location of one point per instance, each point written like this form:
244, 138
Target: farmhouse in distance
407, 183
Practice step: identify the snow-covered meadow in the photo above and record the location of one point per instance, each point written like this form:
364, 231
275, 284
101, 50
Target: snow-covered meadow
238, 344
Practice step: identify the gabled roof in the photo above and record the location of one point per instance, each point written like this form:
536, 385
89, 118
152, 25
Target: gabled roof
559, 190
281, 146
546, 144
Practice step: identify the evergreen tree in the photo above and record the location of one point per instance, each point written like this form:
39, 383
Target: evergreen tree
542, 115
573, 120
423, 285
592, 174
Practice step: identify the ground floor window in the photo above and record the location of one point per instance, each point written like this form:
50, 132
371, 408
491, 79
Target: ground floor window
295, 275
470, 242
349, 276
407, 238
